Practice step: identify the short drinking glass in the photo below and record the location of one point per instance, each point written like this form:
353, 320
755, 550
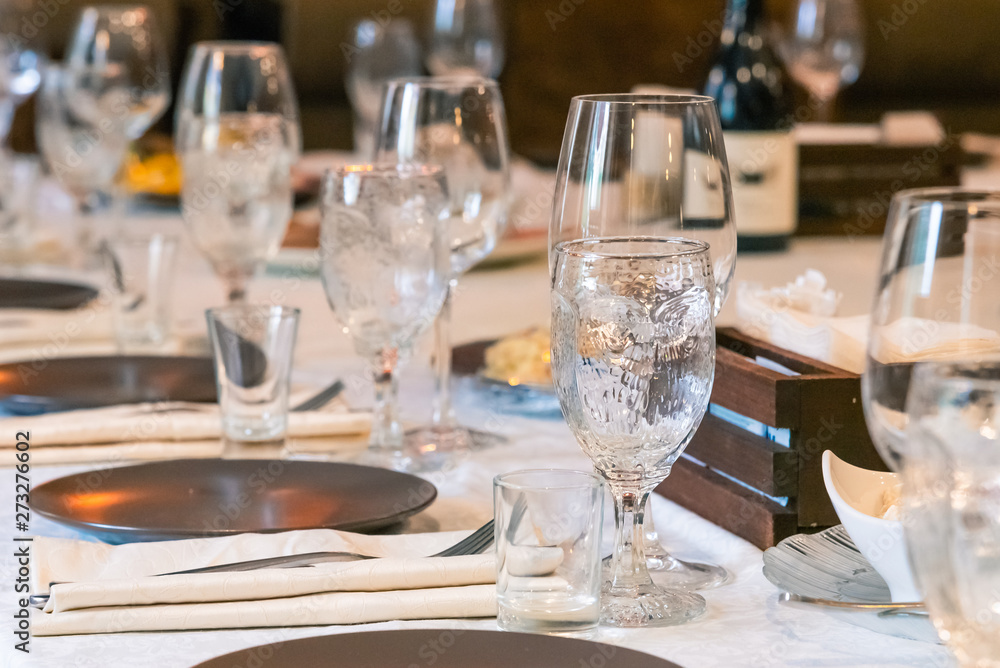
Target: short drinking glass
548, 538
951, 502
253, 348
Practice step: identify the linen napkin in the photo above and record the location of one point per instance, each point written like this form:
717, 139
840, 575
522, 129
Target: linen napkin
800, 317
44, 333
109, 589
168, 430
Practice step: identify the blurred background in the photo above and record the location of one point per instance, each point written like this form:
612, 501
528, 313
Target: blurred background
934, 56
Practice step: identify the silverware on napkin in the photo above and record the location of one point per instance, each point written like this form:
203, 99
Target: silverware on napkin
793, 599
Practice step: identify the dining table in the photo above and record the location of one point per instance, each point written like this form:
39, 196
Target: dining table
745, 624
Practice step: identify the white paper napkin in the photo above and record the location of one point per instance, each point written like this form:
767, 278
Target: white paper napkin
109, 588
169, 430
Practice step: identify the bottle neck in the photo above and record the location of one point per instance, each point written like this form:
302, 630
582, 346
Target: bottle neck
744, 16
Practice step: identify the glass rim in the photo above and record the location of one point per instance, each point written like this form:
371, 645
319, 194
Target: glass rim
235, 45
103, 7
687, 247
381, 169
450, 82
629, 99
948, 194
502, 479
247, 309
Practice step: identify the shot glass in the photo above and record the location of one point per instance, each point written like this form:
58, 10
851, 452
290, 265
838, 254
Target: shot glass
548, 540
253, 346
141, 271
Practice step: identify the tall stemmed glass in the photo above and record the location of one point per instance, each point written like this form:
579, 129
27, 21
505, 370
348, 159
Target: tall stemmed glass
633, 360
23, 60
823, 47
385, 271
458, 123
649, 165
936, 300
237, 135
466, 38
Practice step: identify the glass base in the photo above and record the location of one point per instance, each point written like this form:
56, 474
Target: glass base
672, 573
648, 606
444, 439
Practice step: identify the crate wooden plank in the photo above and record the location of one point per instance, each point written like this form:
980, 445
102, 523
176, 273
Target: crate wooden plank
725, 503
759, 393
755, 460
747, 346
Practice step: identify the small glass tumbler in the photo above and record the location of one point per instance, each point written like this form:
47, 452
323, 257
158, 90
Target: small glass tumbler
141, 270
548, 540
253, 346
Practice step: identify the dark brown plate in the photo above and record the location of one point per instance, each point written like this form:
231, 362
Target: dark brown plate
65, 383
193, 498
25, 293
442, 648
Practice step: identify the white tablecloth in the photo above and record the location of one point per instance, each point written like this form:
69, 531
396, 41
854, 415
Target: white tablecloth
744, 625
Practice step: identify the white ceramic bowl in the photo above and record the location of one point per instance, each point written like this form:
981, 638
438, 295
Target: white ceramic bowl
857, 495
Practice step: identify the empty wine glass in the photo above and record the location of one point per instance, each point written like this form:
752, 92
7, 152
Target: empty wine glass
385, 271
823, 48
237, 136
466, 38
633, 361
458, 123
125, 39
935, 301
378, 53
660, 167
24, 60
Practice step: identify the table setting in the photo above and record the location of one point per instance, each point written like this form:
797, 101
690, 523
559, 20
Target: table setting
404, 430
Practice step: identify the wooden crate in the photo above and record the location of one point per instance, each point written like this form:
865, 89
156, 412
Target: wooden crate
728, 473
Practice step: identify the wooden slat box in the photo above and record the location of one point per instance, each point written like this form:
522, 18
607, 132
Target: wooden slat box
729, 474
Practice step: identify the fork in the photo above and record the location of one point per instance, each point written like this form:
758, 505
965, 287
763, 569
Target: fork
477, 542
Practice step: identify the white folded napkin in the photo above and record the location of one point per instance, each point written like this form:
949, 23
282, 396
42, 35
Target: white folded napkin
44, 333
169, 430
800, 317
109, 589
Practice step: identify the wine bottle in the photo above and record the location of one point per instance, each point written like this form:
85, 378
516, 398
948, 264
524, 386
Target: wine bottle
755, 108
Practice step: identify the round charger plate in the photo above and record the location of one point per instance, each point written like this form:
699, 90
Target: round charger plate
442, 648
196, 498
56, 295
828, 565
66, 383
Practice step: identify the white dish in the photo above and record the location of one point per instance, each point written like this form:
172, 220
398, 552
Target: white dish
857, 495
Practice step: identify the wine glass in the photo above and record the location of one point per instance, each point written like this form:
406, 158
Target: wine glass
24, 59
823, 48
466, 38
633, 361
659, 166
82, 139
378, 53
458, 123
385, 270
237, 136
125, 40
949, 502
936, 300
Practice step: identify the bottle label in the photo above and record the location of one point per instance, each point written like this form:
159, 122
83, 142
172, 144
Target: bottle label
764, 169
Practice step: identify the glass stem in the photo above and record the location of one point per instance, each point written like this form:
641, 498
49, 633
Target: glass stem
629, 564
387, 434
654, 550
443, 414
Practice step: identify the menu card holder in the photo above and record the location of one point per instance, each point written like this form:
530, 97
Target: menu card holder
754, 466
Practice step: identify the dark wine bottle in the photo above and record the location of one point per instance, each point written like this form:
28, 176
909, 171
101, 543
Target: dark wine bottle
755, 108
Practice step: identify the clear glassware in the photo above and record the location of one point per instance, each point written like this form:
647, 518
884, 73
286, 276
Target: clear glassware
378, 53
24, 57
633, 361
125, 39
661, 168
466, 38
82, 139
383, 242
823, 47
951, 475
458, 123
237, 137
935, 300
